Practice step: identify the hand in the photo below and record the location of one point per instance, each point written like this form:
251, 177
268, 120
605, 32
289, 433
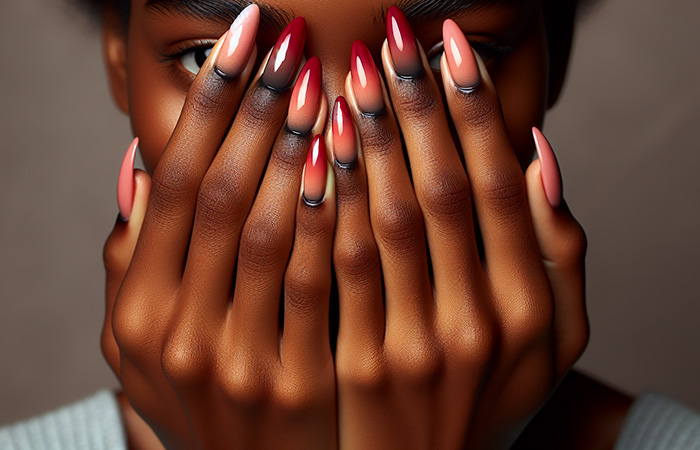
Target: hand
205, 364
454, 327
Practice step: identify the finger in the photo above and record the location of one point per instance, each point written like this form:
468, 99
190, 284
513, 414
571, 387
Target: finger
440, 181
355, 253
394, 212
497, 182
268, 234
229, 186
117, 254
205, 119
562, 244
307, 280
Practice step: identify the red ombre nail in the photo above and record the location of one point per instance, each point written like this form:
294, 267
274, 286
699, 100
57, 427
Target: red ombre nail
238, 43
286, 55
303, 106
315, 173
365, 80
344, 140
125, 183
549, 169
402, 44
460, 58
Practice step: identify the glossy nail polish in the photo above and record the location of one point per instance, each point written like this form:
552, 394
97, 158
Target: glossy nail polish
460, 58
402, 44
315, 173
125, 184
549, 169
238, 42
344, 140
286, 55
303, 106
365, 80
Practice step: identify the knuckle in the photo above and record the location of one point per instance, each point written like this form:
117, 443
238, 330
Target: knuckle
447, 197
173, 183
255, 112
219, 203
183, 359
111, 256
530, 318
576, 245
262, 245
398, 224
303, 290
501, 190
416, 361
243, 384
367, 375
298, 394
473, 345
356, 257
131, 326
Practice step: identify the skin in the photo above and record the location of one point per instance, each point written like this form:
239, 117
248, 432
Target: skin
460, 356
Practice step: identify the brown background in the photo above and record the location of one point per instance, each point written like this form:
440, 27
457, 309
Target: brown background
626, 131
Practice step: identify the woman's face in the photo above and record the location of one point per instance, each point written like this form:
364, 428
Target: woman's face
167, 40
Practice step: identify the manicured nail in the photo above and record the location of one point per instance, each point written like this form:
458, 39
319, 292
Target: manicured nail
238, 42
402, 44
549, 168
125, 184
303, 106
344, 140
460, 58
365, 80
315, 173
286, 55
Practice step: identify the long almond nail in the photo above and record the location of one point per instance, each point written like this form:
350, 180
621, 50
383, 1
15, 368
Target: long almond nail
125, 184
315, 173
238, 42
460, 58
286, 56
365, 80
549, 169
344, 140
303, 106
402, 44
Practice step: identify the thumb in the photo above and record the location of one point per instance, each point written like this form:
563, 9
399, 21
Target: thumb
562, 244
120, 245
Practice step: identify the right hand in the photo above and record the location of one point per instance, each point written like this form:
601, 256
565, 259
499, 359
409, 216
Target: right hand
191, 327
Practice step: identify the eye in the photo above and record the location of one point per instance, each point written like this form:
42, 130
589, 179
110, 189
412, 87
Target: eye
192, 60
488, 51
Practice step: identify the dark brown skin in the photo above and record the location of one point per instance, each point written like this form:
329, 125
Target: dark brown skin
463, 356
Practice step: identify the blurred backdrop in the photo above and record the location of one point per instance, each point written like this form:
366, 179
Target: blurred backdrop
627, 134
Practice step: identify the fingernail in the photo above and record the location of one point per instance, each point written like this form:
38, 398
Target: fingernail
402, 44
344, 141
286, 55
365, 80
238, 42
460, 58
315, 173
303, 106
549, 168
125, 184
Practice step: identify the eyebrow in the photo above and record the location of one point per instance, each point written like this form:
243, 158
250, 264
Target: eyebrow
419, 10
225, 11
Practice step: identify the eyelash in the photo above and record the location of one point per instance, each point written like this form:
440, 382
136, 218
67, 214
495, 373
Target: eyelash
184, 48
490, 52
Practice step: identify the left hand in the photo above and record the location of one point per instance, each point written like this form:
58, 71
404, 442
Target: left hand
448, 344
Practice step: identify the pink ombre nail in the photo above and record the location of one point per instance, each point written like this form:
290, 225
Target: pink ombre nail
460, 57
365, 80
238, 43
344, 140
306, 96
315, 173
125, 184
549, 168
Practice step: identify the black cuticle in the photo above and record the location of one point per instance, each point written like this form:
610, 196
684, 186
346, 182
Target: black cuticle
311, 203
345, 166
470, 89
296, 132
410, 77
373, 115
224, 75
122, 218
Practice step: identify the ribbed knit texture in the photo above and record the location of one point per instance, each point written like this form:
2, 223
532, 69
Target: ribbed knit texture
91, 424
656, 422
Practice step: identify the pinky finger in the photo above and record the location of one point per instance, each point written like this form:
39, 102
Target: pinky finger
307, 280
562, 244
